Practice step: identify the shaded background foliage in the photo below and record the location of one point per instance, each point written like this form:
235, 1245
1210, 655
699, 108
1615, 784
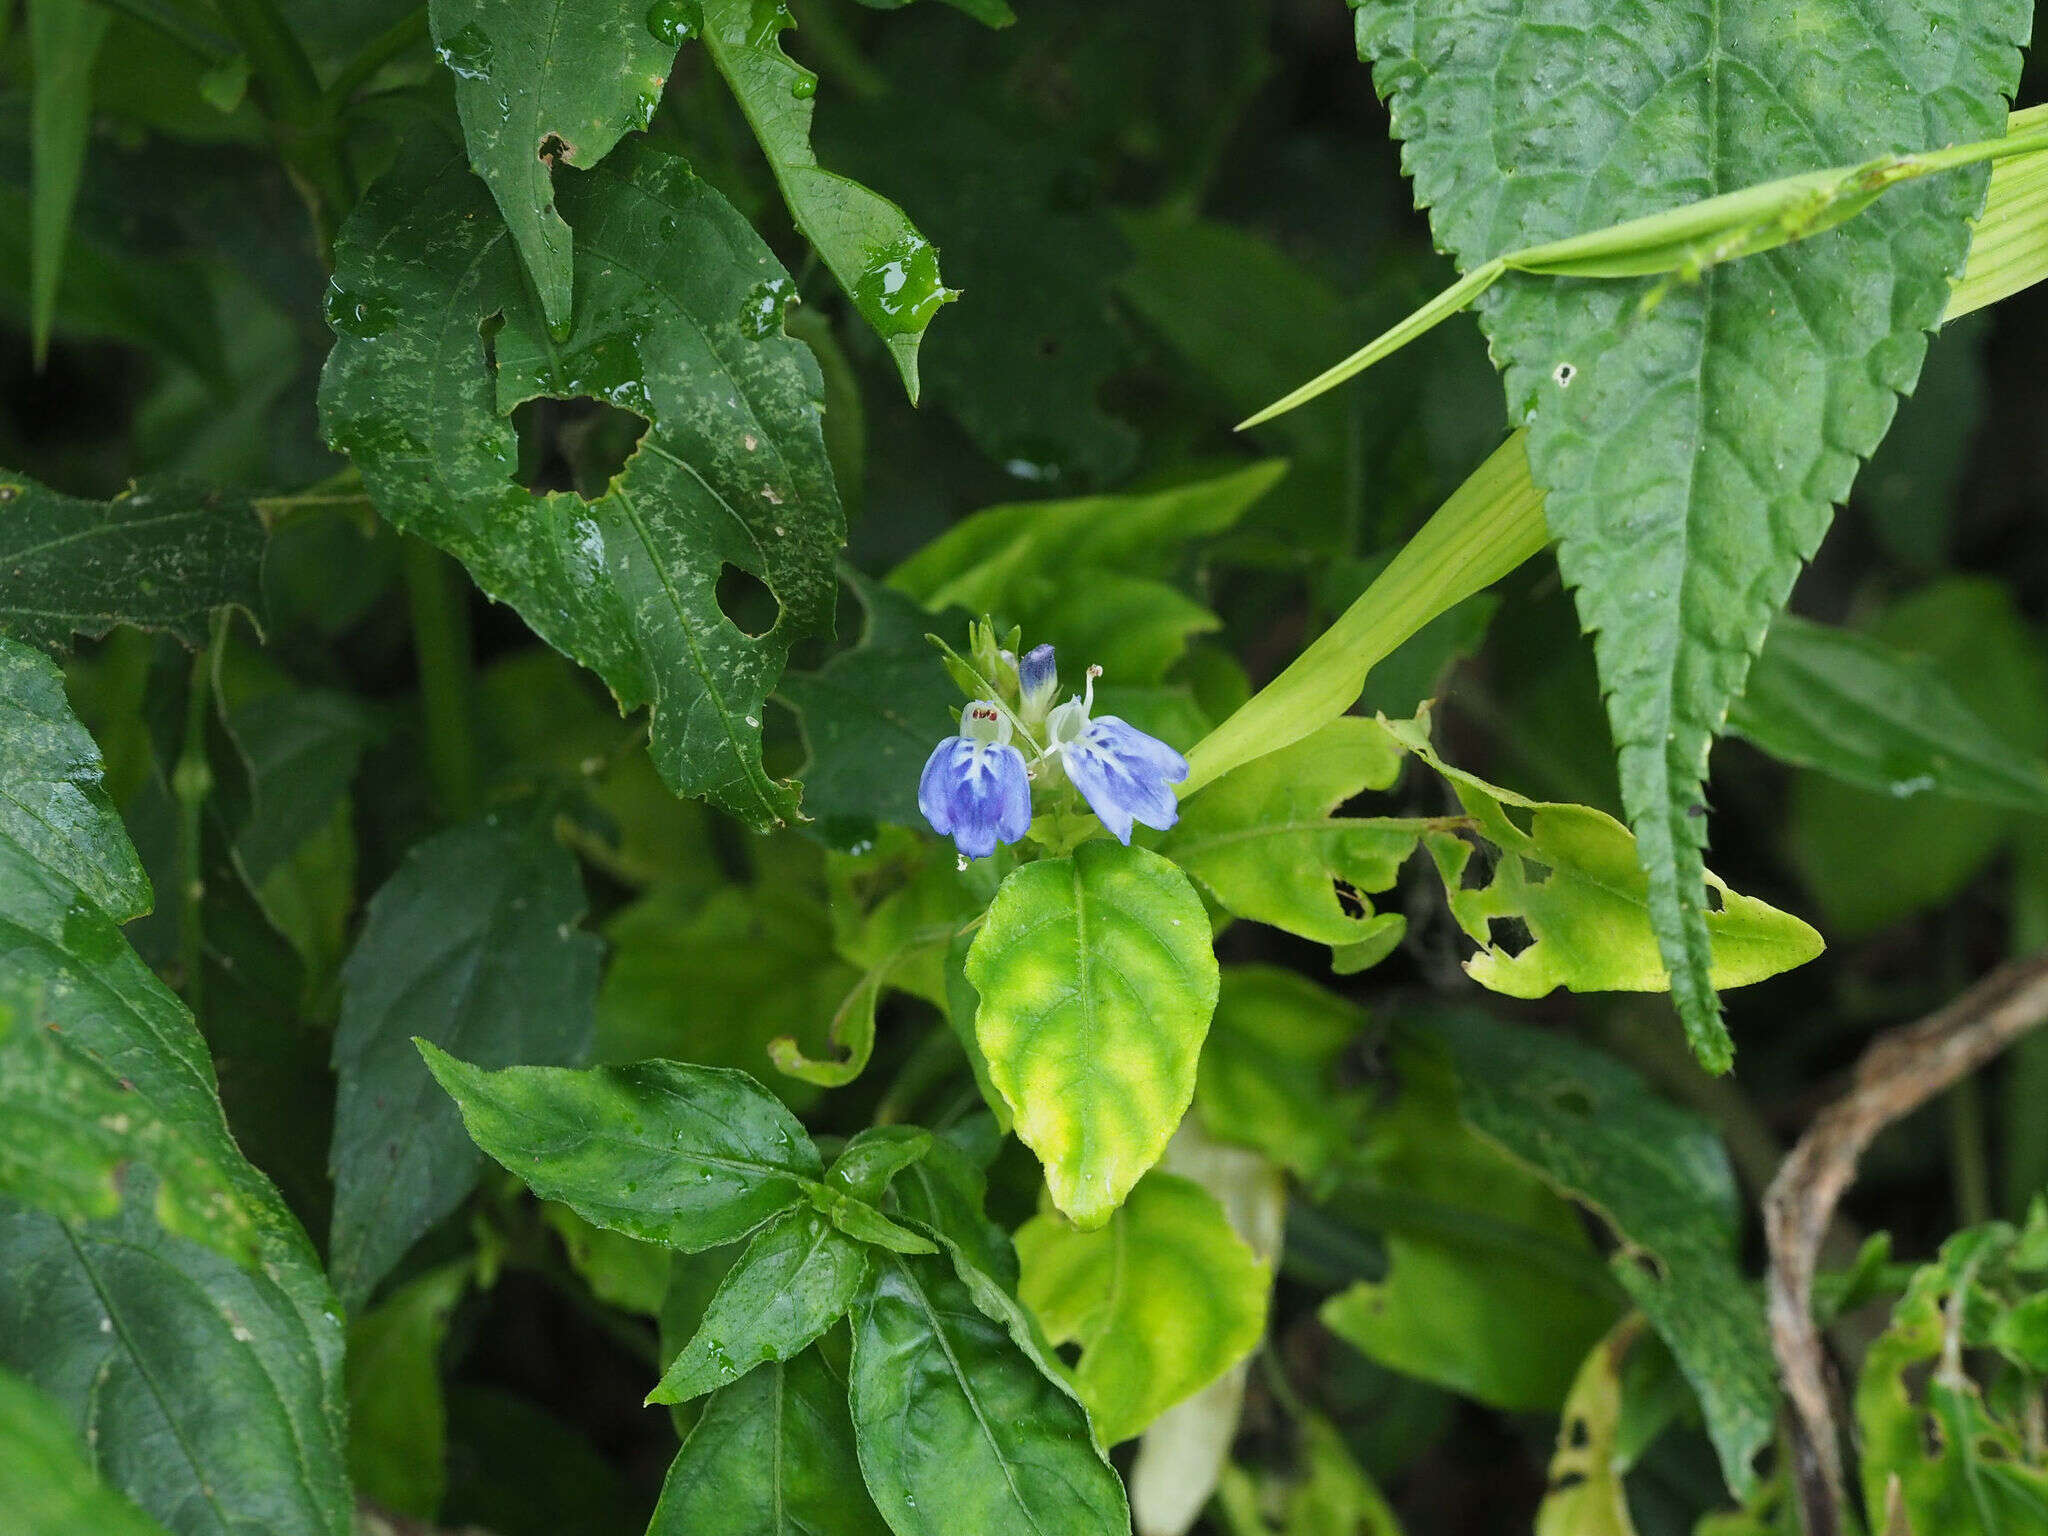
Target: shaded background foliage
1160, 215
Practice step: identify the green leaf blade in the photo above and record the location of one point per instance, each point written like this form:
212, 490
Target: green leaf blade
1097, 981
689, 1157
64, 41
1693, 440
473, 945
46, 1484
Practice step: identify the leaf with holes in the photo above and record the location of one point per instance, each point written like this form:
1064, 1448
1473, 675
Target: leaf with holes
688, 1157
1572, 879
960, 1426
473, 945
541, 85
158, 556
1593, 1131
1162, 1301
1692, 436
1264, 841
1097, 980
440, 340
888, 269
773, 1453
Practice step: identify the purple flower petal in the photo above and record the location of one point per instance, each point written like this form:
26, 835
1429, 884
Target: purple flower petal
976, 792
1123, 774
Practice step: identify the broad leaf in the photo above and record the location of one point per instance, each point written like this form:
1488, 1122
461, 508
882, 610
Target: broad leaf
1870, 715
1264, 841
1097, 980
883, 264
797, 1278
63, 42
871, 716
772, 1455
159, 556
689, 1157
621, 1271
542, 85
958, 1427
1591, 1129
439, 341
1693, 435
1162, 1300
1267, 1075
47, 1486
1476, 1245
473, 945
1573, 879
212, 1393
870, 1162
944, 1192
397, 1420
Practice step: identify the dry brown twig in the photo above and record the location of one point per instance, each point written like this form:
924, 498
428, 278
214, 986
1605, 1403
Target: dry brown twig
1899, 1072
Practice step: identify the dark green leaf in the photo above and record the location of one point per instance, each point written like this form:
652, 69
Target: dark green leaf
621, 1271
690, 1157
1693, 435
546, 85
797, 1278
302, 746
773, 1455
473, 944
1590, 1128
874, 1158
1097, 979
944, 1191
958, 1428
1870, 715
63, 41
732, 471
882, 263
871, 716
47, 1487
212, 1393
1267, 1074
160, 556
398, 1423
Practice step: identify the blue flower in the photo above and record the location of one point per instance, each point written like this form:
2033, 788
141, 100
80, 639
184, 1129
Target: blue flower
1038, 679
975, 788
1121, 772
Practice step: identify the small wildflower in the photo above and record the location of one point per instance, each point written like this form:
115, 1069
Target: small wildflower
1122, 773
975, 787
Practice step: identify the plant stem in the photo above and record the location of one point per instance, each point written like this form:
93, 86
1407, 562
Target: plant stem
191, 783
180, 29
409, 31
1969, 1166
440, 638
285, 87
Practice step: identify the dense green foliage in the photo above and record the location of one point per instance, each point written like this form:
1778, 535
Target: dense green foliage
742, 790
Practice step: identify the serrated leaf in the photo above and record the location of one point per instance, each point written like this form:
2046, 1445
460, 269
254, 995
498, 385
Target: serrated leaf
213, 1393
1264, 841
63, 41
1572, 877
542, 85
472, 944
1097, 980
1267, 1074
397, 1419
1879, 718
772, 1455
871, 716
881, 262
1162, 1300
1592, 1130
958, 1428
159, 556
47, 1487
689, 1157
1693, 436
797, 1278
732, 471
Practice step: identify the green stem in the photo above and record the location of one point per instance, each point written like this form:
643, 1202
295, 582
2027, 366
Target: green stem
191, 783
440, 637
285, 87
403, 35
180, 29
1969, 1166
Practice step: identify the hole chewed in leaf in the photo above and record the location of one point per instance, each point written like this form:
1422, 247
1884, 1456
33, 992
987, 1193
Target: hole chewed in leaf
1509, 935
578, 445
745, 599
555, 150
1349, 901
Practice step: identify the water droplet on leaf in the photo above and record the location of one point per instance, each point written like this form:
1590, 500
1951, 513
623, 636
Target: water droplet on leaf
900, 288
675, 21
766, 303
468, 53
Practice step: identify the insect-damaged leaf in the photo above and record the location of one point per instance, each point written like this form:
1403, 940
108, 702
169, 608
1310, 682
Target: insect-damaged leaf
439, 340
